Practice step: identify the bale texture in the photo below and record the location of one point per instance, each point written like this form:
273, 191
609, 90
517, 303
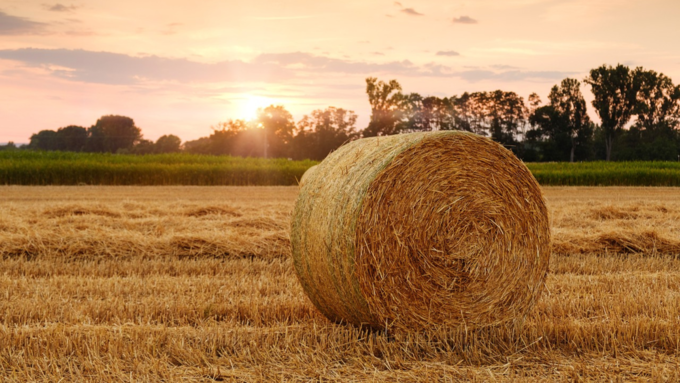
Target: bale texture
420, 230
307, 174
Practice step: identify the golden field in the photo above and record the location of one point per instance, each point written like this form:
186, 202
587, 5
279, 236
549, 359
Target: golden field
196, 284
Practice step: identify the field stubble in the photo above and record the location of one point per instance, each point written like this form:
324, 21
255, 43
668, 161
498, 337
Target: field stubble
195, 283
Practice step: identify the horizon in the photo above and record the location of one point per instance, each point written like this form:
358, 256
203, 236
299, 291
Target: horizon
185, 68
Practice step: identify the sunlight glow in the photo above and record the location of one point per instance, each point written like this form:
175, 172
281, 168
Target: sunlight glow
251, 103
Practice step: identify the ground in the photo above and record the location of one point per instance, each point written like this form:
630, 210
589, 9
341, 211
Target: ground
196, 284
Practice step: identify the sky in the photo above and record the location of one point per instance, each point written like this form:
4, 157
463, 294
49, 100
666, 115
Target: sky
181, 67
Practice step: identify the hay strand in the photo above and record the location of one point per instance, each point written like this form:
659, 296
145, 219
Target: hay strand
307, 174
420, 230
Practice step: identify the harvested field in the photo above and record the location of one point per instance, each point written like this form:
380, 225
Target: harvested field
196, 284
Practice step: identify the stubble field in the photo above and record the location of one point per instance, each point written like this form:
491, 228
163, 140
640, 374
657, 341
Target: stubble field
196, 284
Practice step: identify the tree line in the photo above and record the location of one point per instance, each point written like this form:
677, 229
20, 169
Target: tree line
639, 112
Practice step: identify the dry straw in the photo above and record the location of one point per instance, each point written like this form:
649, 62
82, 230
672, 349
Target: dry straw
307, 174
420, 230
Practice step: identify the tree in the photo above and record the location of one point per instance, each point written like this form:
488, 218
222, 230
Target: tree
236, 138
615, 91
570, 105
386, 102
658, 101
423, 114
44, 140
198, 146
550, 135
464, 118
141, 147
112, 133
508, 117
71, 138
278, 126
168, 143
323, 131
534, 102
9, 146
502, 115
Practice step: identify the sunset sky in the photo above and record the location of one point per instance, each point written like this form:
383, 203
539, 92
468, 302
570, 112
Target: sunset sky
178, 67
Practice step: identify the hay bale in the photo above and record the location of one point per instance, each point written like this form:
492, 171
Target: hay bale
419, 230
307, 174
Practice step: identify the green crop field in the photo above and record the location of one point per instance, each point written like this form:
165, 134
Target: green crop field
607, 173
62, 168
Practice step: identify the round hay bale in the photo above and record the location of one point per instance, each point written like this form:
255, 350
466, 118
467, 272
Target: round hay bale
307, 174
421, 230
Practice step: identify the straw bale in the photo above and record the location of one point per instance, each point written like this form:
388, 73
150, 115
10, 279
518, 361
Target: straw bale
420, 230
307, 174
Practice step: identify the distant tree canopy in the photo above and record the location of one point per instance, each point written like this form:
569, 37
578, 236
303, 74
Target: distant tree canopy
386, 107
562, 126
113, 133
9, 146
323, 131
70, 138
615, 90
639, 111
109, 134
165, 144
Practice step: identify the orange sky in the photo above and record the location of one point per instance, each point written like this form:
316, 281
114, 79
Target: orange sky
181, 66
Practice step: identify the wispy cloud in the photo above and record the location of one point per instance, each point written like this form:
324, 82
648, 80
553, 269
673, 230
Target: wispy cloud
81, 33
13, 25
309, 63
120, 69
115, 68
398, 4
171, 28
503, 66
273, 18
58, 7
464, 20
448, 53
411, 12
512, 75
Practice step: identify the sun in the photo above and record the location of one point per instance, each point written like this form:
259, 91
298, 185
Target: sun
251, 103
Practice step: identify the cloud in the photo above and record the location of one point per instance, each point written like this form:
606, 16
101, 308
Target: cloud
274, 18
81, 33
464, 20
120, 69
411, 11
13, 25
309, 63
448, 53
60, 7
512, 75
115, 68
398, 4
171, 28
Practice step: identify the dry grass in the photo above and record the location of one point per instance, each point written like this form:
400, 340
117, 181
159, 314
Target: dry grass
196, 284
